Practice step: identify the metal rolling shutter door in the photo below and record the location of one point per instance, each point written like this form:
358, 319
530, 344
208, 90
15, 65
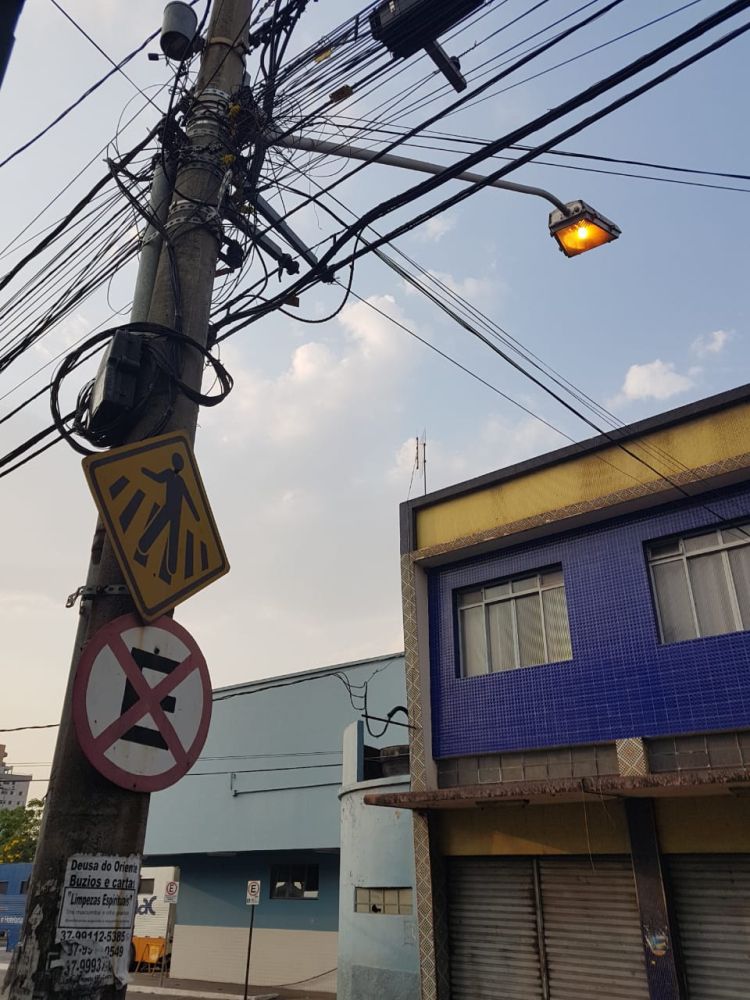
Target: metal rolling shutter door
711, 898
493, 930
592, 930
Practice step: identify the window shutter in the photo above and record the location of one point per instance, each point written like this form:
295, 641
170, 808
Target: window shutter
502, 646
556, 624
740, 562
530, 634
473, 642
673, 598
711, 592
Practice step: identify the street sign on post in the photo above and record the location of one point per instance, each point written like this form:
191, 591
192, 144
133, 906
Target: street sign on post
142, 702
171, 892
252, 899
151, 499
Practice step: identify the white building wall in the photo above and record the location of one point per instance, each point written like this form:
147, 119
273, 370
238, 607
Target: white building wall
14, 788
218, 954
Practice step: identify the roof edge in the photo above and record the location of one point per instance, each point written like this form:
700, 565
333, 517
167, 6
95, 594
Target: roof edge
661, 421
312, 672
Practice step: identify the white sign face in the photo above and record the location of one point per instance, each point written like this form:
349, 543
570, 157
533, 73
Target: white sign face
253, 893
142, 703
96, 920
171, 892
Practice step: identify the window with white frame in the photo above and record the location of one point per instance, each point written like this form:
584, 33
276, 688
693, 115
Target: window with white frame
702, 583
518, 622
397, 901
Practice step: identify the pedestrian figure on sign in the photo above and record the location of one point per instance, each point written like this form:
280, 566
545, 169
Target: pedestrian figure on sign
168, 516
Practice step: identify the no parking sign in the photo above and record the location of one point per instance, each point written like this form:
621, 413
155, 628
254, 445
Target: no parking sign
142, 702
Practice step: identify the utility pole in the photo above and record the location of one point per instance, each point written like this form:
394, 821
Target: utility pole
85, 813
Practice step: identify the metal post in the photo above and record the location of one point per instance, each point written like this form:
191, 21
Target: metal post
162, 186
659, 946
85, 813
249, 948
408, 163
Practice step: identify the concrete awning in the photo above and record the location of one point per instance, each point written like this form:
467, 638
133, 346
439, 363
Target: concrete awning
668, 784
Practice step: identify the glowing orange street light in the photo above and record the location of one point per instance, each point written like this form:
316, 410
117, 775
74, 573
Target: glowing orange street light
580, 228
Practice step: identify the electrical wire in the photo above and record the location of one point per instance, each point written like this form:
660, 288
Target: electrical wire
542, 121
87, 93
117, 66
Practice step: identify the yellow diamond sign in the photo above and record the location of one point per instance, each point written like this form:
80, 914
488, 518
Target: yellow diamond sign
151, 498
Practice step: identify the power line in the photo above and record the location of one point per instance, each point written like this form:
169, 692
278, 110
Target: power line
88, 92
573, 103
444, 138
326, 264
358, 688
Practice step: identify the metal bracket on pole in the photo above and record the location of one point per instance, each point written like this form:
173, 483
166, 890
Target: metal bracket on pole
449, 66
285, 260
270, 214
89, 593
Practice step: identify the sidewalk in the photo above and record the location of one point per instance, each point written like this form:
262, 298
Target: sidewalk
144, 985
145, 982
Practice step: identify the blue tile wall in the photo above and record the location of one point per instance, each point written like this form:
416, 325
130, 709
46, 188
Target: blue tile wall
12, 903
621, 681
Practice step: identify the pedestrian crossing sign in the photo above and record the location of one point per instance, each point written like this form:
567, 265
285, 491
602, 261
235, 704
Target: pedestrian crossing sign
151, 498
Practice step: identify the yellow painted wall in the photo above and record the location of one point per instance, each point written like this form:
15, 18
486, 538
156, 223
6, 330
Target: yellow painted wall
520, 829
710, 824
696, 443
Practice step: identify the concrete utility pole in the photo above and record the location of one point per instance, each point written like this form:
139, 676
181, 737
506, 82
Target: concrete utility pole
85, 813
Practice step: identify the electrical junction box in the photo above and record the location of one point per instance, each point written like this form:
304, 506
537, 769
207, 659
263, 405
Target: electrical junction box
405, 26
115, 389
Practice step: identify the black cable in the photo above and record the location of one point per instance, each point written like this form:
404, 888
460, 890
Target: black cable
117, 66
76, 210
152, 330
445, 137
464, 164
657, 453
586, 96
8, 246
87, 93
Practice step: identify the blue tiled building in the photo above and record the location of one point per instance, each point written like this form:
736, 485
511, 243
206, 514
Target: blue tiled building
14, 880
578, 665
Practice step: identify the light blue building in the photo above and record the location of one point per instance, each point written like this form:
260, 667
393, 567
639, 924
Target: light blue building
378, 955
263, 803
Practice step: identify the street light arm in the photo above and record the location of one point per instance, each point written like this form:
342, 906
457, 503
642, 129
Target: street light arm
368, 156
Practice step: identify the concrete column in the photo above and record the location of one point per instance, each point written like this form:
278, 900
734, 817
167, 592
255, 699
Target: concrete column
662, 970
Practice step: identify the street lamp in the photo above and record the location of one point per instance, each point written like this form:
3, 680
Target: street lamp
576, 226
580, 228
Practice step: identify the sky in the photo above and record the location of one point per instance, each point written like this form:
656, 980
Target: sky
308, 459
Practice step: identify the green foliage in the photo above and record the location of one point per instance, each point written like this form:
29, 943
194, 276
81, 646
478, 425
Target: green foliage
19, 831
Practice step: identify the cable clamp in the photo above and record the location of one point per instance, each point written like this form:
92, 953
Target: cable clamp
89, 593
231, 43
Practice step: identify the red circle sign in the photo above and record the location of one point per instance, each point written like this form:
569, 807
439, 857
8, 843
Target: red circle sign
142, 702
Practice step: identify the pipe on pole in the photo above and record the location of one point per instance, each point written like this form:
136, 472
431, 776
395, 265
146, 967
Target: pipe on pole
423, 166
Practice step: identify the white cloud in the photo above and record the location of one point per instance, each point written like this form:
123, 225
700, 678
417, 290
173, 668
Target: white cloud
654, 380
323, 380
711, 343
470, 288
436, 228
63, 335
476, 290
